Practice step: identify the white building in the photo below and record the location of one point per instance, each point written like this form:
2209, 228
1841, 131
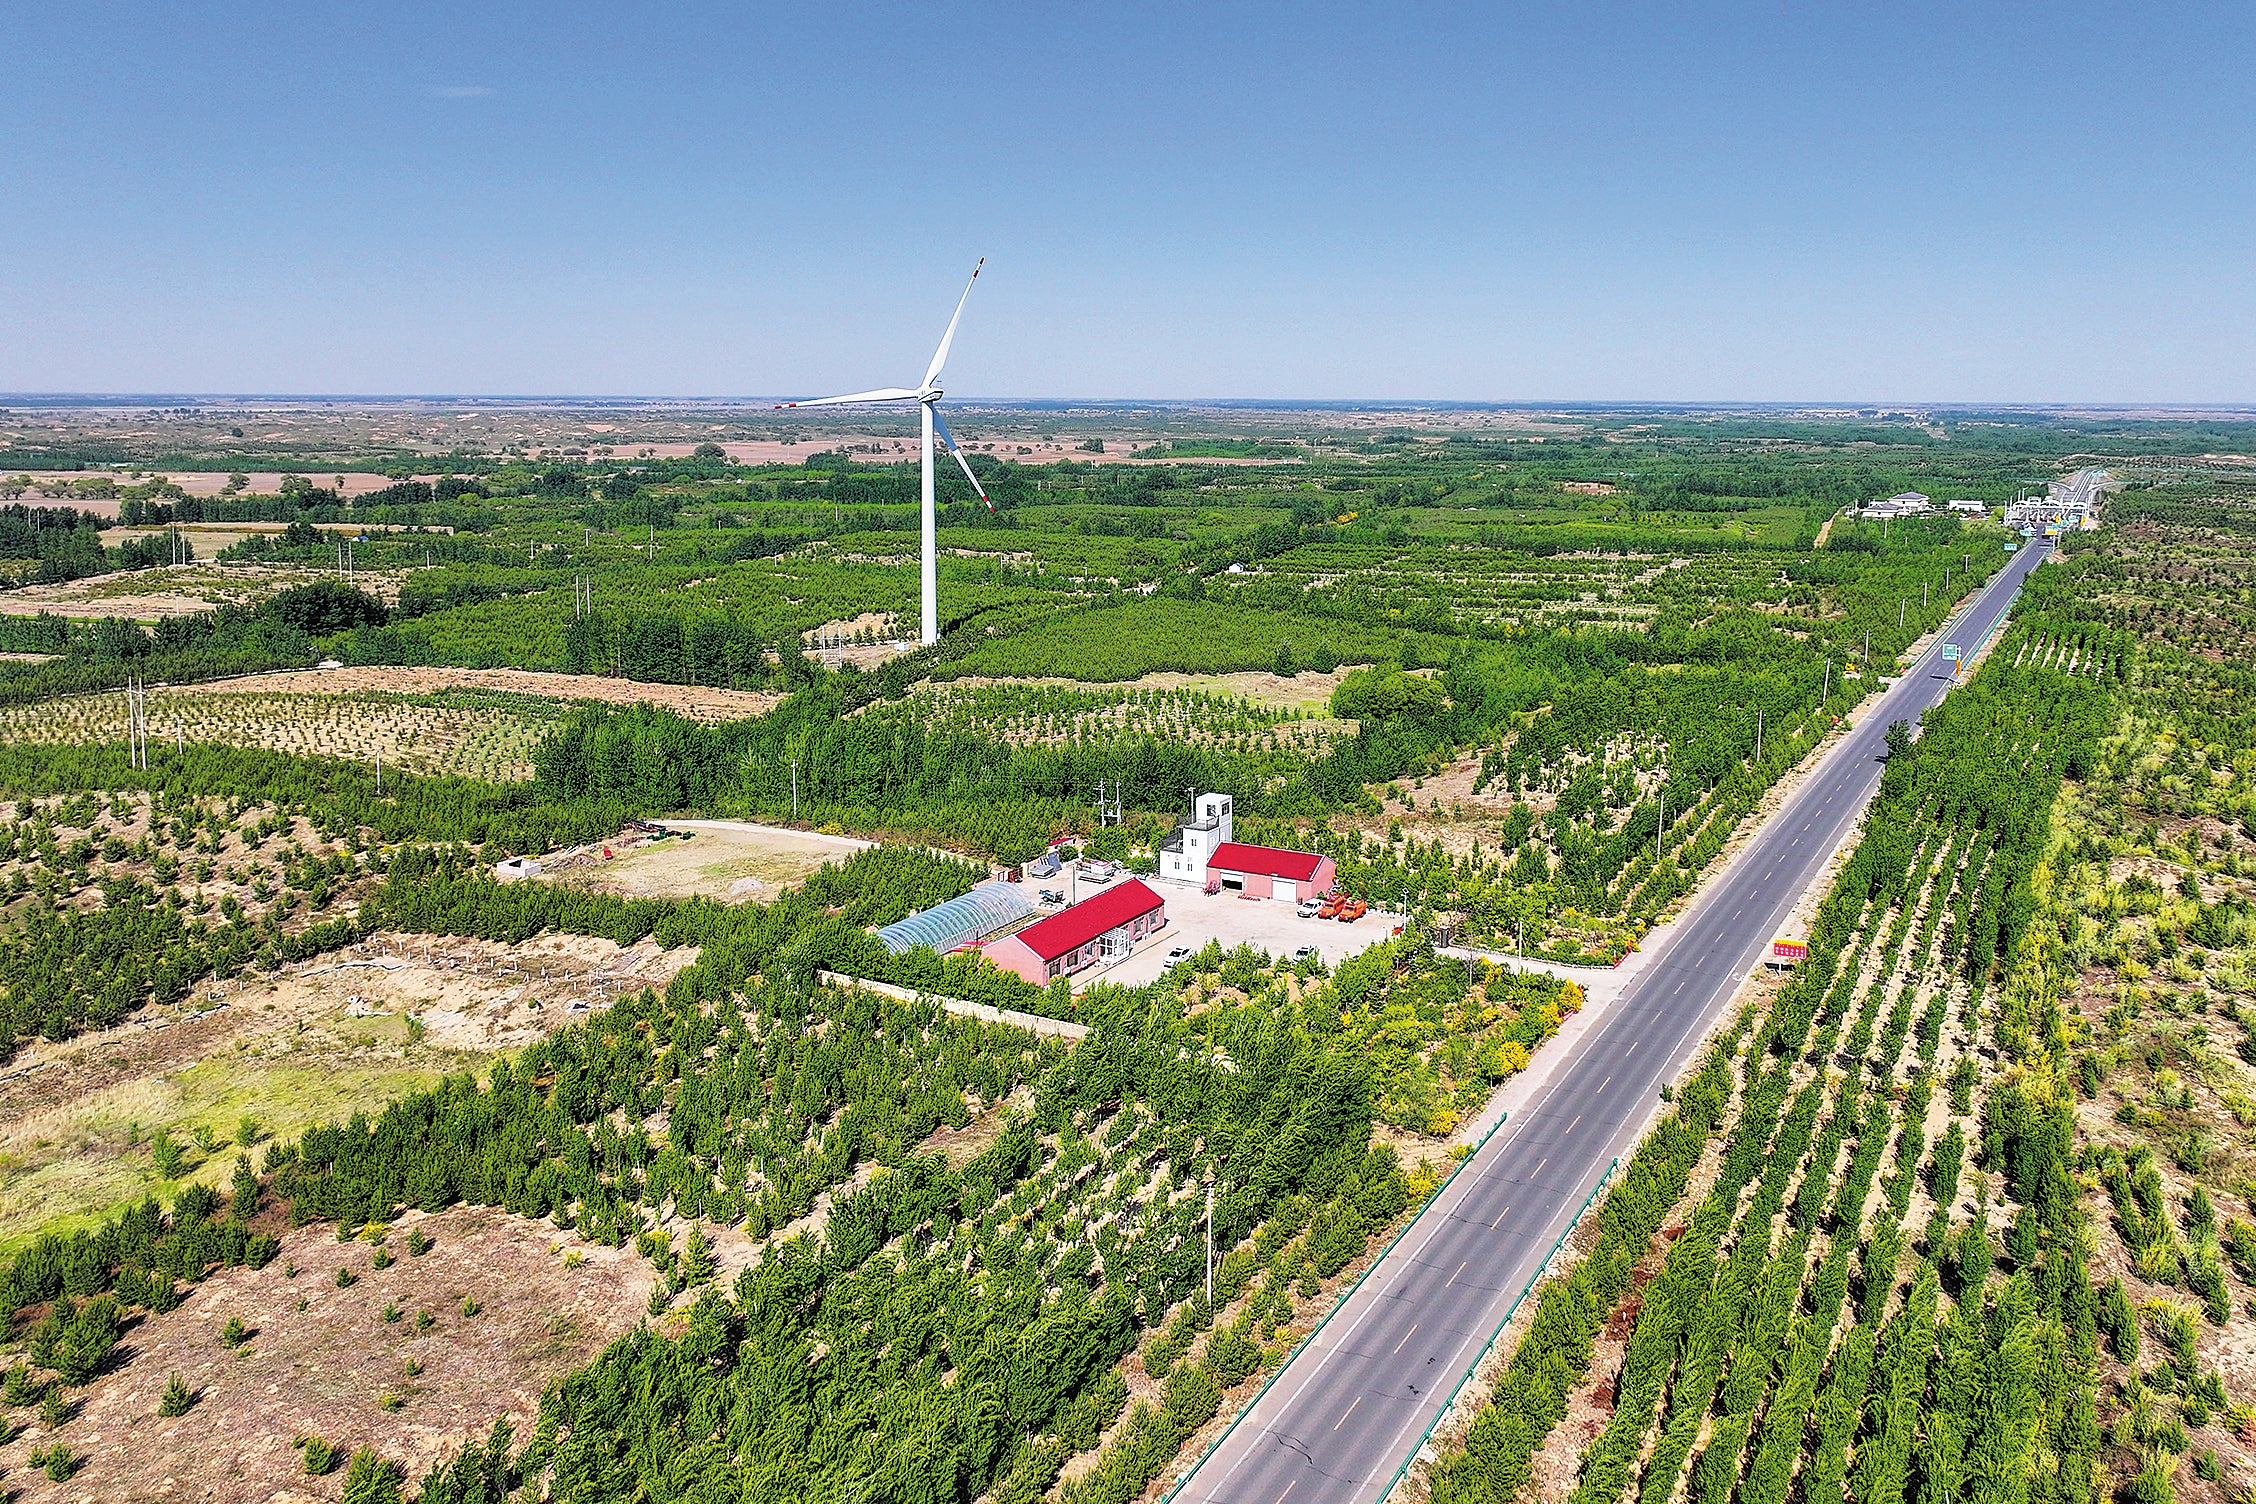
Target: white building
1183, 856
1902, 504
1967, 508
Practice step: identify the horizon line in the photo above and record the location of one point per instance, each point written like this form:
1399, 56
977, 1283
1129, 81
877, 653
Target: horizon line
1861, 406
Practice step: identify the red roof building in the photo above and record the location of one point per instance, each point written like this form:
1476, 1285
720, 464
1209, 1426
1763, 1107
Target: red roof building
1096, 929
1271, 871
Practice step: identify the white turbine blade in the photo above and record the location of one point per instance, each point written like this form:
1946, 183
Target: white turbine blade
950, 440
940, 356
882, 394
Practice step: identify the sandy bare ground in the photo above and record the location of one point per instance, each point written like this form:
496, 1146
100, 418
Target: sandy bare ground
325, 1370
724, 859
347, 1029
147, 594
692, 701
891, 447
264, 482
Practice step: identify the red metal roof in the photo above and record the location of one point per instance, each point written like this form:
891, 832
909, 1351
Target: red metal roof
1271, 861
1052, 937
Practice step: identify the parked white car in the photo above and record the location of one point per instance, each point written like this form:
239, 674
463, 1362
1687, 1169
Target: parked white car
1308, 907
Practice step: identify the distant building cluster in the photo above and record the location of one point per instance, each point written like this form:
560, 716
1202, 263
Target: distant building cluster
1902, 504
1919, 504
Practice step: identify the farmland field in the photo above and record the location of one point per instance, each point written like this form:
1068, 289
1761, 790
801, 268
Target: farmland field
1969, 1201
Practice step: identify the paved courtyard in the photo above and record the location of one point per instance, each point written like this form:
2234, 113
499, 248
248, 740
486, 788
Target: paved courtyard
1195, 917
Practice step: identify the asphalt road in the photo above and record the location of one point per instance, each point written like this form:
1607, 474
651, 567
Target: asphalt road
1348, 1409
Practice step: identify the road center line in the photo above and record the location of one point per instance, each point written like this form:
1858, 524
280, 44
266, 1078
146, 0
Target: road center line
1397, 1348
1344, 1415
1499, 1219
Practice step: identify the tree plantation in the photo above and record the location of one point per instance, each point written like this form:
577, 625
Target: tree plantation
347, 1156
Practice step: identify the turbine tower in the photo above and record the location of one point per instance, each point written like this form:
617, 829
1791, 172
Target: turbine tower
927, 398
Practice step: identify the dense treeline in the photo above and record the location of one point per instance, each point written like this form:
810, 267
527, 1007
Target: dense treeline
46, 545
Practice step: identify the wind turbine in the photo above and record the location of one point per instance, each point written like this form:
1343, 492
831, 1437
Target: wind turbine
927, 397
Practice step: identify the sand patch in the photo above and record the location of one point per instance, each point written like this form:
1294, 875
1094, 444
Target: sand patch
689, 700
349, 1029
731, 860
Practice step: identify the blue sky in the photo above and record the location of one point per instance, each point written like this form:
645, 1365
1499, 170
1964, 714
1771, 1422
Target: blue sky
1685, 201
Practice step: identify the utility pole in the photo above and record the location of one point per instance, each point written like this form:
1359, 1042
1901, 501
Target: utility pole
1900, 608
1868, 649
1660, 827
1827, 693
1758, 733
1210, 1245
795, 788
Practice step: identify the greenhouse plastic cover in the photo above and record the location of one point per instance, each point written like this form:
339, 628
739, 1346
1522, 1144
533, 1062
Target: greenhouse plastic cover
956, 923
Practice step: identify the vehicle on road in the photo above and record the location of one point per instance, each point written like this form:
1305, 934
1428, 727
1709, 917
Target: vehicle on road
1330, 908
1305, 953
1352, 910
1178, 955
1310, 908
